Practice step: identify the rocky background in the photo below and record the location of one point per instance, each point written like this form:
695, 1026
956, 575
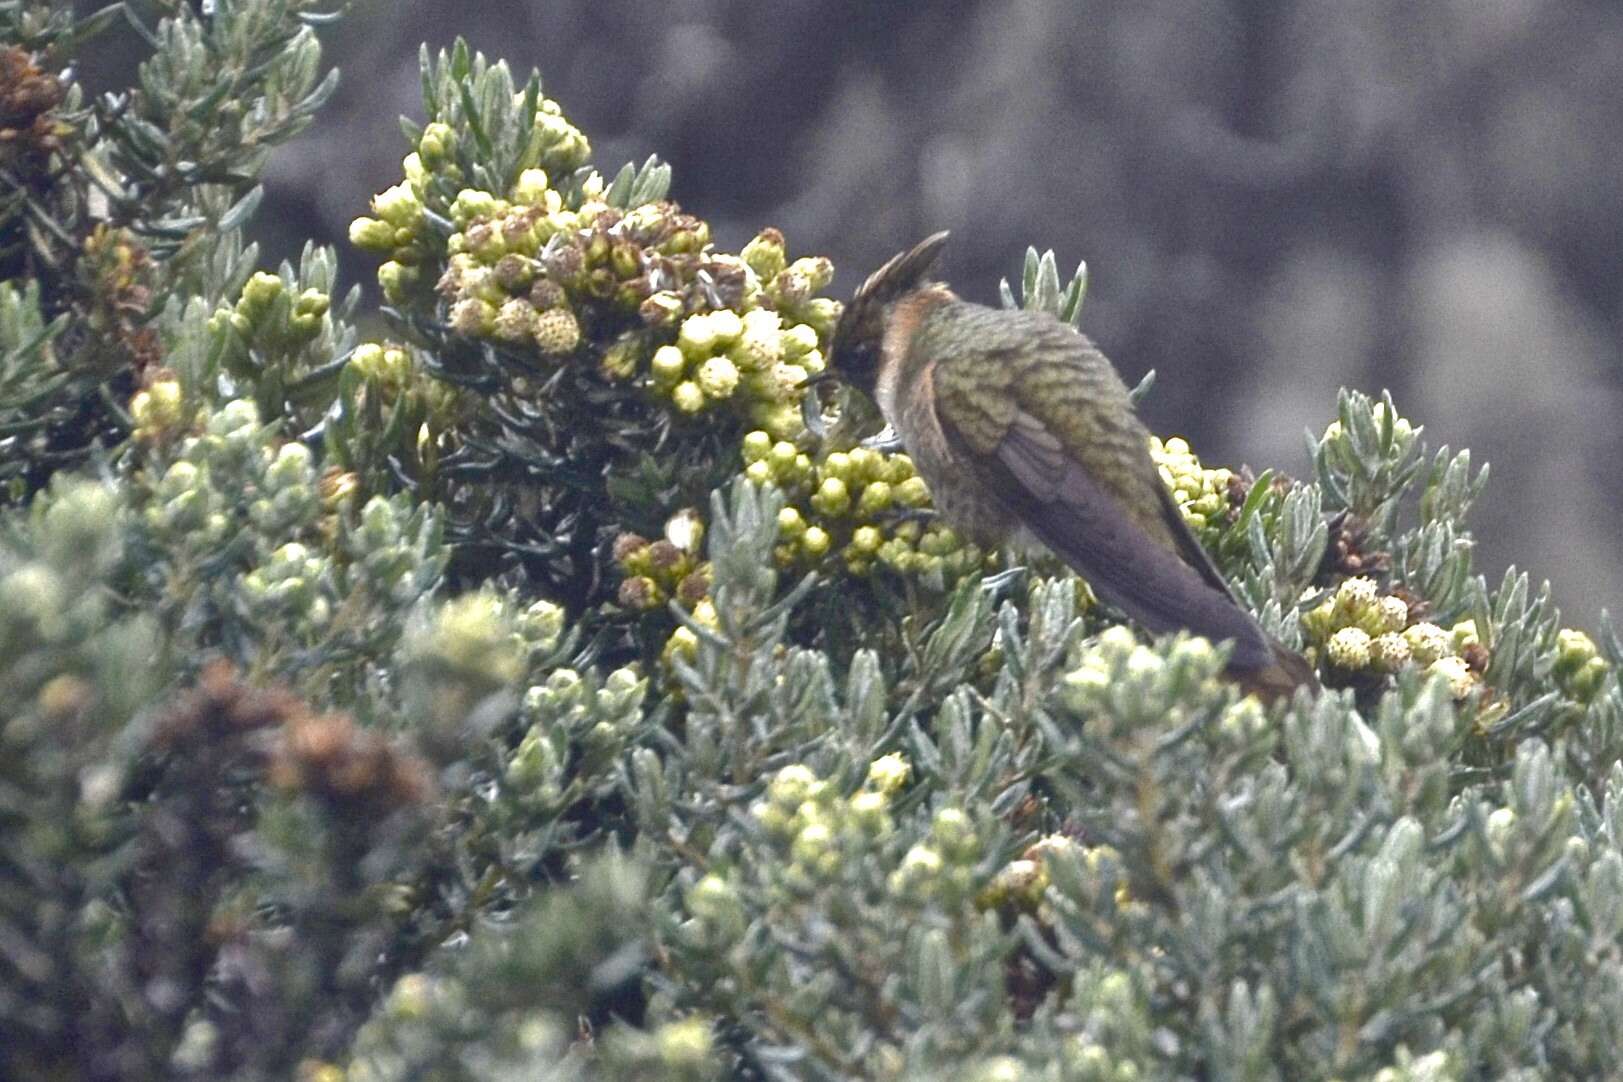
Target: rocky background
1274, 198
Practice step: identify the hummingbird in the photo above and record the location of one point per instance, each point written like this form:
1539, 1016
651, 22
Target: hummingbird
1018, 422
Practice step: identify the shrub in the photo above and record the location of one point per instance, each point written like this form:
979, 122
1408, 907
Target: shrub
548, 686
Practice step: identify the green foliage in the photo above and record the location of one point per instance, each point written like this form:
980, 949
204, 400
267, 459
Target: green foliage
355, 728
1040, 289
116, 207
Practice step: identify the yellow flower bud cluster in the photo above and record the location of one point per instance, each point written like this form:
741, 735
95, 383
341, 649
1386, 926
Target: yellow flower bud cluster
819, 829
1202, 495
388, 377
768, 460
495, 283
385, 368
270, 315
397, 230
683, 1048
159, 411
846, 507
683, 644
754, 362
398, 225
391, 372
670, 567
1358, 629
717, 913
1579, 668
559, 144
889, 773
638, 292
790, 285
117, 261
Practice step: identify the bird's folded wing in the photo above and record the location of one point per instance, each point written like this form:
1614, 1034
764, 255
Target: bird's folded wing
1084, 523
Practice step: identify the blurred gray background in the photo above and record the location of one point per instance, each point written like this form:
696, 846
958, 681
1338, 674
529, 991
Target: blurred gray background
1274, 198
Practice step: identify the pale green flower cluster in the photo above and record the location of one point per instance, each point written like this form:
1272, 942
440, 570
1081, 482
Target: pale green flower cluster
756, 361
1579, 667
158, 412
941, 868
853, 506
268, 312
1358, 629
1117, 676
230, 472
281, 323
1343, 455
1202, 495
818, 828
246, 522
472, 637
578, 725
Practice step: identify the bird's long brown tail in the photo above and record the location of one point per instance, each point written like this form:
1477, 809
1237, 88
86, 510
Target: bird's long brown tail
1279, 678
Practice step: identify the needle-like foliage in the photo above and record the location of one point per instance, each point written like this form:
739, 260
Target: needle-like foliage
558, 684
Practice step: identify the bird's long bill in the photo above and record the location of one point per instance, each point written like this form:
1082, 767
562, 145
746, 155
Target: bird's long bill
826, 376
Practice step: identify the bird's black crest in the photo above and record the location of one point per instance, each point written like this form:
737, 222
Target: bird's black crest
857, 338
902, 272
